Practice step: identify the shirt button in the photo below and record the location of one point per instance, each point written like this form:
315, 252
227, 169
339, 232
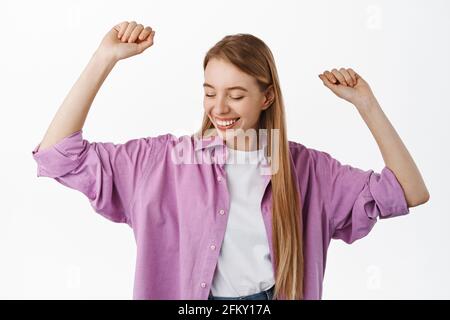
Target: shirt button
213, 247
203, 285
219, 178
222, 212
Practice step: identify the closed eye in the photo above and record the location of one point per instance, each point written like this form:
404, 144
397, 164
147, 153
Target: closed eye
236, 98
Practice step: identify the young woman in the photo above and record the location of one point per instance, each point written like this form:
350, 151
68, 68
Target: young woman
207, 227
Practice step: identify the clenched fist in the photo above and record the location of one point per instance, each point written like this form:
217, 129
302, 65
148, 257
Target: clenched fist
348, 85
126, 40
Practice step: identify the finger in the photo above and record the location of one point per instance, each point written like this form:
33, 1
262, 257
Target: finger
137, 30
327, 82
147, 43
117, 27
121, 28
347, 76
330, 76
352, 74
145, 33
128, 31
339, 76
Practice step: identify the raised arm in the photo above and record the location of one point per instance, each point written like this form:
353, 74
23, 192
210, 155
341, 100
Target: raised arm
122, 41
350, 86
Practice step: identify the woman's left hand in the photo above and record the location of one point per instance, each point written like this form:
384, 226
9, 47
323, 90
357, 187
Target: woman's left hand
348, 85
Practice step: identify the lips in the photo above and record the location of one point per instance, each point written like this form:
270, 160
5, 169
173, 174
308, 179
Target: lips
226, 124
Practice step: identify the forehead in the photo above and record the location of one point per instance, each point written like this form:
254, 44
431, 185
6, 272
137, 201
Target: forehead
223, 74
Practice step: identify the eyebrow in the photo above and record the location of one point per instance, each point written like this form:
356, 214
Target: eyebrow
230, 88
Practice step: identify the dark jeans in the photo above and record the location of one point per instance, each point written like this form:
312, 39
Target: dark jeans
263, 295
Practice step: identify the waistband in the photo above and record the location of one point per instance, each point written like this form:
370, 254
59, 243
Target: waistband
263, 295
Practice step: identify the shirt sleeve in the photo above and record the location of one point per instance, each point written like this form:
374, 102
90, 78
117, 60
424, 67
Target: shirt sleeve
107, 173
356, 198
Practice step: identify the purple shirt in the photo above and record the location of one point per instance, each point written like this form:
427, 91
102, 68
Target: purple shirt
179, 212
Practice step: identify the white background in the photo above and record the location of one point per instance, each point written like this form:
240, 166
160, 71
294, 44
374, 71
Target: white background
53, 245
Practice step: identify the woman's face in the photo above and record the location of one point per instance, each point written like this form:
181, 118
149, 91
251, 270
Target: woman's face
232, 99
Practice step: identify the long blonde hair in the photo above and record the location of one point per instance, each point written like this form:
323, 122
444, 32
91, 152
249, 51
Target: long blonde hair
252, 56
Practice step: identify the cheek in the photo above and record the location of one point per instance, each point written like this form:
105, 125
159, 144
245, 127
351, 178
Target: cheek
207, 106
247, 110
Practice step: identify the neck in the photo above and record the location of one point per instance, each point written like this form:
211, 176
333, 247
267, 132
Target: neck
246, 143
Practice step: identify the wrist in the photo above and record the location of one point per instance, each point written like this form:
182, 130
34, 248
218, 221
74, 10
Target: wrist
368, 108
366, 104
105, 57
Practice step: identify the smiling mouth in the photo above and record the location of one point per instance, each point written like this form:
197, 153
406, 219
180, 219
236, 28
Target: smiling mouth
223, 125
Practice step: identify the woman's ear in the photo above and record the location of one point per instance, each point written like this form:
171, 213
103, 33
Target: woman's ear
269, 96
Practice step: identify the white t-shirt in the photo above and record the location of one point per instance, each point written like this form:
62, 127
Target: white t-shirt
244, 266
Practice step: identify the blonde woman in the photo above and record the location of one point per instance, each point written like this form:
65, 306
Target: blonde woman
209, 223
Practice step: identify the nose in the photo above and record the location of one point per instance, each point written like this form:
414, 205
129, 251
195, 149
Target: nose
221, 106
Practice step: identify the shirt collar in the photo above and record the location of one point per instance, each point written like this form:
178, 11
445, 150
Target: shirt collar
216, 146
208, 142
214, 140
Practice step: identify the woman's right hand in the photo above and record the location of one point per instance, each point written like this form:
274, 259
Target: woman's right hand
126, 40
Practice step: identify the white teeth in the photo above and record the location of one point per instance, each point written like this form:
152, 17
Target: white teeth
225, 123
